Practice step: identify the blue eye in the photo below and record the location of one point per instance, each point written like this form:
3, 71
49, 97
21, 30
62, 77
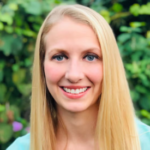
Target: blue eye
90, 57
58, 57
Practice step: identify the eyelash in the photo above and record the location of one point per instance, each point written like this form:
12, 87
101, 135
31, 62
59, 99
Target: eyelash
56, 56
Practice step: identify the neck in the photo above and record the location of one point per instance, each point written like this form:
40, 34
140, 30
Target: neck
78, 126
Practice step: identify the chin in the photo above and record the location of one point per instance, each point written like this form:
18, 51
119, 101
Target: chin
76, 109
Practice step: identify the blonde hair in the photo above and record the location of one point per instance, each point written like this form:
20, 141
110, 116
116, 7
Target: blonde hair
116, 129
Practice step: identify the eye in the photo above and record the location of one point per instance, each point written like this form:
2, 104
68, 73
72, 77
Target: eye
91, 57
59, 57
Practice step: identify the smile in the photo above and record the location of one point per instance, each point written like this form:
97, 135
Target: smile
74, 92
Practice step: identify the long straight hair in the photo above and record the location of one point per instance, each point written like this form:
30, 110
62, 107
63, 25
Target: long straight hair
115, 129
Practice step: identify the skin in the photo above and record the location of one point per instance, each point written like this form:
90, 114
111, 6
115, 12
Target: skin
79, 64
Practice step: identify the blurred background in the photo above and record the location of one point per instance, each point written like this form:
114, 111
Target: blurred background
20, 21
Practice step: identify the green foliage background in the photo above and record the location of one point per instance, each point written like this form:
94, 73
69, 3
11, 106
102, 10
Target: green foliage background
19, 24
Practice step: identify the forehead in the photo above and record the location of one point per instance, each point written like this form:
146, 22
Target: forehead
69, 31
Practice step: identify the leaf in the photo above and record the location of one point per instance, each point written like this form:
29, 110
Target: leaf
138, 42
18, 76
19, 31
6, 132
6, 46
137, 56
15, 67
24, 89
16, 111
36, 27
106, 15
134, 9
85, 2
117, 7
145, 113
33, 8
13, 6
8, 29
2, 108
125, 29
10, 44
135, 95
141, 89
130, 29
144, 79
144, 103
28, 33
137, 24
6, 18
124, 37
148, 34
28, 62
3, 90
3, 117
145, 9
1, 26
146, 121
1, 75
138, 30
2, 64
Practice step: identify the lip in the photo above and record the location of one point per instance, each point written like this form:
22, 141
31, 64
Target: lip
74, 87
74, 96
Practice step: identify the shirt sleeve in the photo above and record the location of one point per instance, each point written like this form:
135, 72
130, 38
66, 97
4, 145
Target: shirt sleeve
21, 143
144, 135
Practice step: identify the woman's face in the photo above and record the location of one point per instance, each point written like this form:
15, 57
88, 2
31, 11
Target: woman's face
73, 65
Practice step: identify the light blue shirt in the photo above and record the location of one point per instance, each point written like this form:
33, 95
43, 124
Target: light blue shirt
23, 143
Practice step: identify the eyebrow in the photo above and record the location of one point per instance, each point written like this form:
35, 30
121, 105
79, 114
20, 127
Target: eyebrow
58, 50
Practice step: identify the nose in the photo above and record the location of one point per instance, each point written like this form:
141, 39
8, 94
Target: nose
74, 72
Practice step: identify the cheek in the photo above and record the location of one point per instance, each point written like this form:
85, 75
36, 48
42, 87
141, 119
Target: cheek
95, 73
53, 73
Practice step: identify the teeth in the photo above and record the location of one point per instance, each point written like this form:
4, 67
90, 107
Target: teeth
73, 91
80, 90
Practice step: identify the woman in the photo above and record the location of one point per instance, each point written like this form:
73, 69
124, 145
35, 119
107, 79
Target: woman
80, 96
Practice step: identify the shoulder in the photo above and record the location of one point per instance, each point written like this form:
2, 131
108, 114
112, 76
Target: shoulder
144, 135
21, 143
